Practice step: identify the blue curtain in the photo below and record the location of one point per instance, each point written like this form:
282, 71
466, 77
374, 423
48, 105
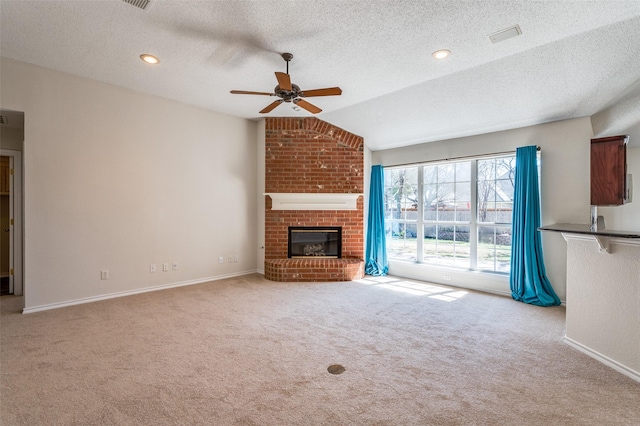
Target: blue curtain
528, 279
376, 254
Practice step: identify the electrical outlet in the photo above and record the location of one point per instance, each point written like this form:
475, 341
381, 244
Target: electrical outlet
165, 267
152, 267
104, 274
230, 259
220, 259
447, 277
235, 258
174, 266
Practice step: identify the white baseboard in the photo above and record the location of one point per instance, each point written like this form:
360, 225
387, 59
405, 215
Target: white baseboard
603, 359
130, 292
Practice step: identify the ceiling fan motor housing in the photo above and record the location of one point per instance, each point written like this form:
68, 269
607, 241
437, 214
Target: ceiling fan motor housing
287, 95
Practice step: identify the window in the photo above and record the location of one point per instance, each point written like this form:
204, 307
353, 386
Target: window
455, 214
447, 214
496, 181
401, 212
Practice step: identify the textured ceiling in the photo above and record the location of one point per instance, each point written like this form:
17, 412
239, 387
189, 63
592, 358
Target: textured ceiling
573, 59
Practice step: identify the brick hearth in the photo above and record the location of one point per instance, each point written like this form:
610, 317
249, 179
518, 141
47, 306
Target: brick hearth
308, 155
345, 269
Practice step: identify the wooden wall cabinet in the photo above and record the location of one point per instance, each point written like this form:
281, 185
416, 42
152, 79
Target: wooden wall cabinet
609, 171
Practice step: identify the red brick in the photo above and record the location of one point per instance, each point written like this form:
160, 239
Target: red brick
308, 155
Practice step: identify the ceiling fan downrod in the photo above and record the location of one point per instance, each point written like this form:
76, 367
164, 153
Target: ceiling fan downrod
287, 57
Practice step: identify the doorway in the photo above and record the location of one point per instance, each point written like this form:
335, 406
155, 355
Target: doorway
6, 280
11, 230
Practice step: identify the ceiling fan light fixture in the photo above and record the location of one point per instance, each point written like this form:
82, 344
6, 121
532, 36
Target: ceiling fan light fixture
149, 59
441, 54
288, 92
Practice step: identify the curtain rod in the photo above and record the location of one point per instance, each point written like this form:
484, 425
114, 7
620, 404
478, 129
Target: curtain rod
493, 154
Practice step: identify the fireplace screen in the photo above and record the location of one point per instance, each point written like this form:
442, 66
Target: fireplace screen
315, 241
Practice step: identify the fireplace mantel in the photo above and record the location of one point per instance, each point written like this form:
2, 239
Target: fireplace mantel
313, 201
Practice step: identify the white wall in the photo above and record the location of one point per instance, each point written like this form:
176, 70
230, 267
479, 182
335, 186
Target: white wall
118, 180
564, 191
366, 193
260, 202
604, 301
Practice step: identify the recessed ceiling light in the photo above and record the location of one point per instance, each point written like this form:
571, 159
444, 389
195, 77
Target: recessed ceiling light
441, 54
150, 59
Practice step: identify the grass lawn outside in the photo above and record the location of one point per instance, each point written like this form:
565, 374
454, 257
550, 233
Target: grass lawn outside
491, 257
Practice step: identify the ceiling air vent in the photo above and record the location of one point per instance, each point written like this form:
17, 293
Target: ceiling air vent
142, 4
505, 34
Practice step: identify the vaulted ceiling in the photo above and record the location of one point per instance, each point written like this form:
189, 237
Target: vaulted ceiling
572, 58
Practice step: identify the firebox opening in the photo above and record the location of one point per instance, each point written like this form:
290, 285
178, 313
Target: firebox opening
315, 241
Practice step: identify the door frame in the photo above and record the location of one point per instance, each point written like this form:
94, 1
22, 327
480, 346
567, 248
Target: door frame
16, 234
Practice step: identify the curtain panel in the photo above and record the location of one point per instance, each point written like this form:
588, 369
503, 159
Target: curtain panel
376, 251
528, 278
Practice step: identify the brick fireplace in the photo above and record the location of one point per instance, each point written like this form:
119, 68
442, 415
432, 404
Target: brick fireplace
319, 162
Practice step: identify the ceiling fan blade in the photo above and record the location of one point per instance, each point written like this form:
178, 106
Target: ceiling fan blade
329, 91
306, 105
284, 81
271, 106
245, 92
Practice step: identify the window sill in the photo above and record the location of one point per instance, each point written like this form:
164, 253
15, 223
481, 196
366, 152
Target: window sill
491, 282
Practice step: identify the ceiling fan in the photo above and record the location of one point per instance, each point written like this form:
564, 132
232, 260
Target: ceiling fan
288, 92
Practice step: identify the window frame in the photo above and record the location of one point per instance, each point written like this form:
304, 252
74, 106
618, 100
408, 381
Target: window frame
474, 223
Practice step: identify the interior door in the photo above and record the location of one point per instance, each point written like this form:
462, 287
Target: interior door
6, 224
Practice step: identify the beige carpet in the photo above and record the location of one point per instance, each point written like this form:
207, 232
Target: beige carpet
247, 351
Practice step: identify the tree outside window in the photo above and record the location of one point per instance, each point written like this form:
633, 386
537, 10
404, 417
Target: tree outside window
401, 201
464, 218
